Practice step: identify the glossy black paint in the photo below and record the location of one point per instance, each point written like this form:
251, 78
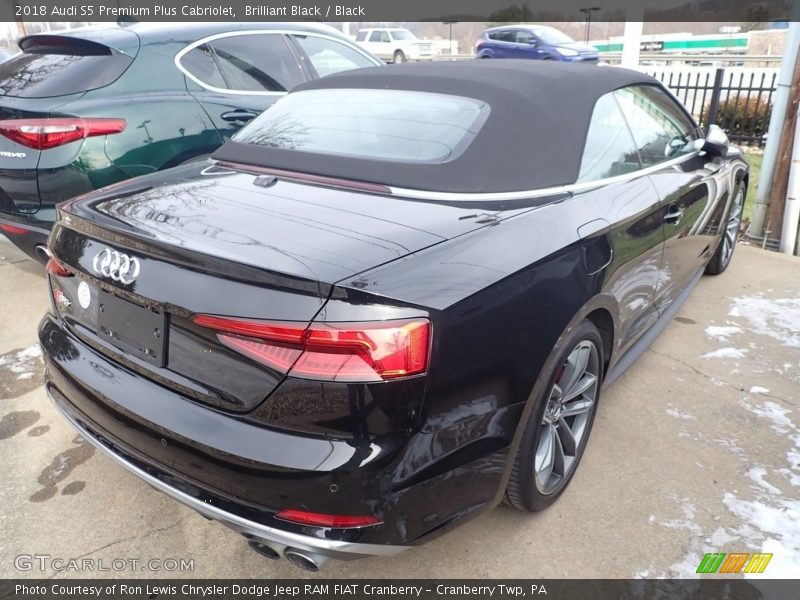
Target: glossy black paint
500, 282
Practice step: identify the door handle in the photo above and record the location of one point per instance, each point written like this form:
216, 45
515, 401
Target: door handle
240, 115
674, 214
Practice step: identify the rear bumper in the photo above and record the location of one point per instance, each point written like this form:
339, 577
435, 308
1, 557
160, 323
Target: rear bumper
241, 473
276, 538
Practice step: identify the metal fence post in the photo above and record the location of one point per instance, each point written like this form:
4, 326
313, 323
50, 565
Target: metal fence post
715, 94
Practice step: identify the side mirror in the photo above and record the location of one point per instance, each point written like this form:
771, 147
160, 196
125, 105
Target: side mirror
716, 142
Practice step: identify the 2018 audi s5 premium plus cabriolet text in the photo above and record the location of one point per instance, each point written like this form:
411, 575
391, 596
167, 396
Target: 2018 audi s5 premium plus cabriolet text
391, 301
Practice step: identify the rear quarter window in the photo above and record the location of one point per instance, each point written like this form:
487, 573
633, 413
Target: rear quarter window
391, 125
200, 62
257, 63
609, 149
68, 67
662, 130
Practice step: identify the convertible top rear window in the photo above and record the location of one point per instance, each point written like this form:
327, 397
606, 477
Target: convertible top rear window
470, 126
404, 126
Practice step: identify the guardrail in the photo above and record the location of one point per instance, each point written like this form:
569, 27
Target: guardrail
661, 58
454, 57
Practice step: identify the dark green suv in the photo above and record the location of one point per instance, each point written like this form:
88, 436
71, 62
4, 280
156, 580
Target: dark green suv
86, 108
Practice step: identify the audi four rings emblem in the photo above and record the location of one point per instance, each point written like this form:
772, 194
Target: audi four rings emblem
116, 265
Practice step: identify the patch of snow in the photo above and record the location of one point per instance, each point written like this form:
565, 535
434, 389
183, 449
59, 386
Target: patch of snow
730, 445
774, 412
794, 479
781, 519
726, 353
757, 389
722, 333
720, 538
776, 318
687, 566
687, 522
757, 475
679, 415
23, 361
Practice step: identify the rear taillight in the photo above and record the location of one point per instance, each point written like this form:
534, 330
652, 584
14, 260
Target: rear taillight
41, 134
321, 520
346, 352
13, 229
54, 267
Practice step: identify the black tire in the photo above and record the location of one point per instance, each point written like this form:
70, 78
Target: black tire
730, 232
524, 490
399, 57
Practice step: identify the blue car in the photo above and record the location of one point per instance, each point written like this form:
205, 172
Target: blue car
537, 42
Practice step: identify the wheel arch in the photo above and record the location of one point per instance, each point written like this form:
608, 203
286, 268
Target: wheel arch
603, 311
602, 319
742, 175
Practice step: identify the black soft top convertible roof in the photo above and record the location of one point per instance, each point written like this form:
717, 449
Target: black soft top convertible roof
532, 139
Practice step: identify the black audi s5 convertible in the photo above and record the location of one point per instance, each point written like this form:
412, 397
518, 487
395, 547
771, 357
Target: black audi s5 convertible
391, 301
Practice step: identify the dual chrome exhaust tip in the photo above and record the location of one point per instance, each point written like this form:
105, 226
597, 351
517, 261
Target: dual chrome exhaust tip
42, 253
302, 559
308, 561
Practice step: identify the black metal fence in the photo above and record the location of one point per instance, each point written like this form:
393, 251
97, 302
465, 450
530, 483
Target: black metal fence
740, 103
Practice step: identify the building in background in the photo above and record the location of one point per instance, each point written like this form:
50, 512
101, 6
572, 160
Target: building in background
730, 42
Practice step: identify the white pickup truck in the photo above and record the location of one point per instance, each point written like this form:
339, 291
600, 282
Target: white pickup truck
394, 45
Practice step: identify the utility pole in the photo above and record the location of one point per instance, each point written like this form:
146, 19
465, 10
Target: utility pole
632, 40
779, 139
588, 12
450, 36
779, 184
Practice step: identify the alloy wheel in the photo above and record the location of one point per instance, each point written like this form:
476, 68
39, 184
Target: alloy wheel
566, 418
732, 227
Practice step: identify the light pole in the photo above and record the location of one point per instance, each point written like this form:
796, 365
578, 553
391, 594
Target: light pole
588, 12
149, 138
450, 35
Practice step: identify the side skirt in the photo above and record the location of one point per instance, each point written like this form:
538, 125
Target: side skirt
644, 342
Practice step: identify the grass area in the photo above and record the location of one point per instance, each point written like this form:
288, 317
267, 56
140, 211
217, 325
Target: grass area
755, 173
